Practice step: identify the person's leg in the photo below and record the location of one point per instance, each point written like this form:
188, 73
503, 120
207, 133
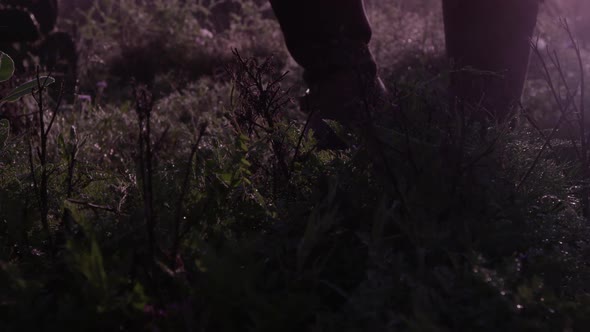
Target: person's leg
329, 39
325, 36
489, 36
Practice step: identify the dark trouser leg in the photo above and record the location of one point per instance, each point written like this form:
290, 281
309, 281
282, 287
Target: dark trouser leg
329, 39
492, 36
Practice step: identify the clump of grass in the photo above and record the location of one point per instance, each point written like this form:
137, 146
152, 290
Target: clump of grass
171, 43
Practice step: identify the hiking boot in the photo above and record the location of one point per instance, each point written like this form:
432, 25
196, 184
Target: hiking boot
348, 97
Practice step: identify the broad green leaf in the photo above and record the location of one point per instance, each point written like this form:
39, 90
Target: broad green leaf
137, 298
4, 131
227, 178
27, 88
245, 162
243, 142
6, 67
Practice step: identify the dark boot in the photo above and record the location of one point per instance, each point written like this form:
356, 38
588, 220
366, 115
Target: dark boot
329, 39
488, 42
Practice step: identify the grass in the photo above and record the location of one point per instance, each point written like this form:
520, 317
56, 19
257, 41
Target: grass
194, 202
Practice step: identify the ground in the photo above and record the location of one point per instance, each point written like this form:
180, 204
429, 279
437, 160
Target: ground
187, 197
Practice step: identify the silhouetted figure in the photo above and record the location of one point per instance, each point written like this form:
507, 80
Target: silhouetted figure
329, 39
491, 36
29, 27
26, 20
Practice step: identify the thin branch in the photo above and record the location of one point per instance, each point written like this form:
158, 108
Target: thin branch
93, 205
183, 192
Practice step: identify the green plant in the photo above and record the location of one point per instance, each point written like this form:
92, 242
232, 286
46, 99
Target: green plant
218, 213
7, 71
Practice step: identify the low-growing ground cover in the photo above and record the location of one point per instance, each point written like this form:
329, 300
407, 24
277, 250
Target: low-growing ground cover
189, 199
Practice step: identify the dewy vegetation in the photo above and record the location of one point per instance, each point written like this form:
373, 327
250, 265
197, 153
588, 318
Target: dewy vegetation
189, 199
